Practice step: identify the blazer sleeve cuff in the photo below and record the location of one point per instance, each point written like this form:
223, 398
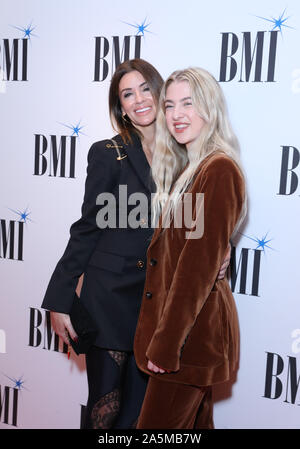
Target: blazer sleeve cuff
60, 292
163, 355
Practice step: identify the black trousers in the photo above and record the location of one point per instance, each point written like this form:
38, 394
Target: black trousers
116, 389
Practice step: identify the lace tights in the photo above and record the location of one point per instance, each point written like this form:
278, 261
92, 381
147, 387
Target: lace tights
116, 389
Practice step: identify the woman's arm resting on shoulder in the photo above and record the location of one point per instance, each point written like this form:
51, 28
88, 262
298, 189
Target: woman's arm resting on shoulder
225, 263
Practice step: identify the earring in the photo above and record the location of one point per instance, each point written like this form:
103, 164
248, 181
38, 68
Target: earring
125, 119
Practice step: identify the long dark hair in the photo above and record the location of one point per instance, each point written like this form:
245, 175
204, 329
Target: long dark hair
154, 81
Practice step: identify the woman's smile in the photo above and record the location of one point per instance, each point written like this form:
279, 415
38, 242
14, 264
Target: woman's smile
180, 127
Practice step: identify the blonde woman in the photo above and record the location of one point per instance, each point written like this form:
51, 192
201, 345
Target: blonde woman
187, 336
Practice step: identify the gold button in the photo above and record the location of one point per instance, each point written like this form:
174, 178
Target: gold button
140, 264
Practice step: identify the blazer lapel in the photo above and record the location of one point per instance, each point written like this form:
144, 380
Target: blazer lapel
139, 161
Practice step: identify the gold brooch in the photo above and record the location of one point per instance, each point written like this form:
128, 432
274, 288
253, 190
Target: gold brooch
109, 145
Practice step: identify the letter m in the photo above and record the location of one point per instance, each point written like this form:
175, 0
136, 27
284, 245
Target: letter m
248, 57
4, 405
125, 54
10, 59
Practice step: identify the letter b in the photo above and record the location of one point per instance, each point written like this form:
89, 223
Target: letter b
225, 56
272, 377
285, 168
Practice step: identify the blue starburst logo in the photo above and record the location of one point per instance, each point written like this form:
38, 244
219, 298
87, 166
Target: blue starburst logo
23, 215
262, 243
277, 23
76, 129
28, 31
141, 29
18, 383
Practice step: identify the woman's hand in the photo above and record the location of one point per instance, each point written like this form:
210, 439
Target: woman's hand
225, 263
62, 326
155, 368
61, 322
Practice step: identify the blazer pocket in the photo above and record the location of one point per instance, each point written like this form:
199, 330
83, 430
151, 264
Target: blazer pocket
107, 261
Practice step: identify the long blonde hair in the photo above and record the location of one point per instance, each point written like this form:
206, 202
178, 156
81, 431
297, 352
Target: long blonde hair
171, 158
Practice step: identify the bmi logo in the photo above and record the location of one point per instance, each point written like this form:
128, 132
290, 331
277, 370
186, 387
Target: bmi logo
251, 56
282, 374
110, 52
14, 55
245, 266
9, 400
56, 154
12, 236
41, 333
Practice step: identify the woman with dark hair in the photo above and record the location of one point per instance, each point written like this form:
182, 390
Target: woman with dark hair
113, 258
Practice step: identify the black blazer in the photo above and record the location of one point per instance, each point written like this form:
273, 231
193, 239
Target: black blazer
113, 260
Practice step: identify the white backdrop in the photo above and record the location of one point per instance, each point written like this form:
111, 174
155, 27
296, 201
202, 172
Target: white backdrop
50, 91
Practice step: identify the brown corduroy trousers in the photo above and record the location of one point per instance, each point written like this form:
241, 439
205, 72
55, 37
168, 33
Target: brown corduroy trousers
169, 405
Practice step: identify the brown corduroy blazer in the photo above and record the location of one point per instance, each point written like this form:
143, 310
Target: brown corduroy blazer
188, 320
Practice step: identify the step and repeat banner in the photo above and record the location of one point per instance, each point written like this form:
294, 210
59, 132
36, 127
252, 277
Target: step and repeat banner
56, 61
